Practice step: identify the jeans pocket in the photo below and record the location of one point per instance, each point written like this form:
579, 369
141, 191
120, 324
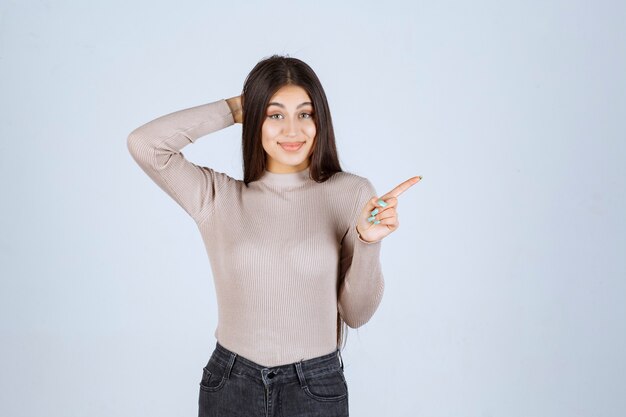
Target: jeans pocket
327, 386
212, 379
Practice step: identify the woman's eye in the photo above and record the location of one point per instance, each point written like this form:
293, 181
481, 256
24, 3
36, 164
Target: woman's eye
278, 116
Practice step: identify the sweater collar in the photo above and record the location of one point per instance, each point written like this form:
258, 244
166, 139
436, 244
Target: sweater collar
286, 179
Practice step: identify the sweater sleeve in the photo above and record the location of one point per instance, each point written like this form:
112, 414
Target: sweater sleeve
156, 147
361, 279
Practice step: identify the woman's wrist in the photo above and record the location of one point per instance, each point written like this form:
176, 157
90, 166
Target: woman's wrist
235, 108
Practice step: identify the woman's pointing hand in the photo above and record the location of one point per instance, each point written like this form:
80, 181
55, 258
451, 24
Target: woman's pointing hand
379, 217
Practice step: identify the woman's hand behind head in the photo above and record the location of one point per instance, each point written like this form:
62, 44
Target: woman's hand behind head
235, 107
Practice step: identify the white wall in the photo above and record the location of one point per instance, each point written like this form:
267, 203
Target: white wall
505, 290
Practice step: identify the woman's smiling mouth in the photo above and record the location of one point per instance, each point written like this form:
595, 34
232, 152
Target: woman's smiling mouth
291, 146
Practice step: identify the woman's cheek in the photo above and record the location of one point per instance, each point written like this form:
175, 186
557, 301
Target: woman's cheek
269, 131
311, 131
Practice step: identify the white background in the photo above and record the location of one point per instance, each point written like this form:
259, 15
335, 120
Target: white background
505, 283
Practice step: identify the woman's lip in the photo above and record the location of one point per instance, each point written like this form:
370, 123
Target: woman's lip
291, 146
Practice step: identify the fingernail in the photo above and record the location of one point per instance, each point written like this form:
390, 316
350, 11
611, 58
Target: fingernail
382, 203
369, 219
377, 221
374, 212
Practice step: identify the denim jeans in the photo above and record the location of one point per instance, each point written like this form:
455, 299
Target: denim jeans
232, 385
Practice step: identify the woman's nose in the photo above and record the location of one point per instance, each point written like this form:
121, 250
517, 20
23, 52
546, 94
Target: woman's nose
291, 128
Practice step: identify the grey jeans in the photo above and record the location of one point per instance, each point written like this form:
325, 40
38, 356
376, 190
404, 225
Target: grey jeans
232, 385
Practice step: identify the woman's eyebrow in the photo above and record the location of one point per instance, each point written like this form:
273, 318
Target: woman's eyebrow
273, 103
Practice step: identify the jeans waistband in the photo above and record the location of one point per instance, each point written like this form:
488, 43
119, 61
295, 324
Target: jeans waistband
240, 365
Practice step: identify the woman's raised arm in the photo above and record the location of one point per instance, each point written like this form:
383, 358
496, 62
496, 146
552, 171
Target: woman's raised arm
156, 147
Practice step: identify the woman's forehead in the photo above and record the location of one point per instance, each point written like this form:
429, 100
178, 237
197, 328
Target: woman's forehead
291, 94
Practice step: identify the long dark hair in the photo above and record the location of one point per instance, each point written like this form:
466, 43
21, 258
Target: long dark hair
267, 77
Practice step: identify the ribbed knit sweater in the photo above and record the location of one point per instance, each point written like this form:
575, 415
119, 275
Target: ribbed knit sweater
284, 251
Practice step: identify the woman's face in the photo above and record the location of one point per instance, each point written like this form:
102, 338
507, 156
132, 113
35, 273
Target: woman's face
288, 132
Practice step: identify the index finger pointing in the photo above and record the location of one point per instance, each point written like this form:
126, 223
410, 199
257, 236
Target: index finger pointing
403, 187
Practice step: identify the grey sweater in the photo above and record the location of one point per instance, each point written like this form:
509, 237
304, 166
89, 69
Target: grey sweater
284, 251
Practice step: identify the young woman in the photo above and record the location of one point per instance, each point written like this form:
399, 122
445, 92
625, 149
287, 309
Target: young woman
294, 247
